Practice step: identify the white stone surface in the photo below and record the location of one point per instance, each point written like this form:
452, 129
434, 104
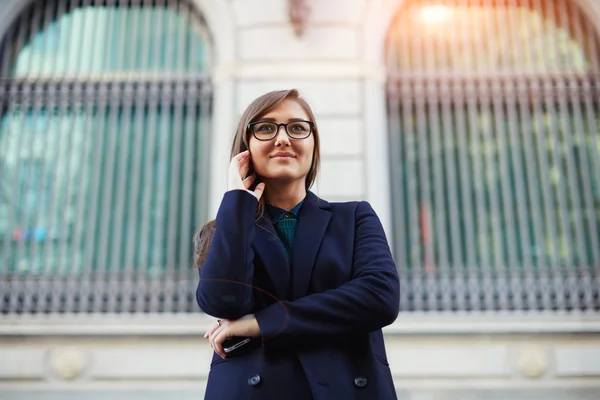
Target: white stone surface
22, 363
341, 136
577, 360
281, 44
337, 11
174, 362
260, 12
449, 361
341, 177
377, 178
326, 97
275, 12
219, 18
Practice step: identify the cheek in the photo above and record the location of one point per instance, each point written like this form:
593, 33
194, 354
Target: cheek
258, 154
308, 152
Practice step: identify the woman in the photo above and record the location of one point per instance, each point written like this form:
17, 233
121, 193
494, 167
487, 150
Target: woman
311, 282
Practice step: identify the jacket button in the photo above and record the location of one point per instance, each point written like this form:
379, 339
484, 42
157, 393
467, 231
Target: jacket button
254, 380
360, 381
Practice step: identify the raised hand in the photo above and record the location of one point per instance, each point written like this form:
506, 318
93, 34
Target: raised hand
238, 168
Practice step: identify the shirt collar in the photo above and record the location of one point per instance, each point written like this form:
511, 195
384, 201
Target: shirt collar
276, 213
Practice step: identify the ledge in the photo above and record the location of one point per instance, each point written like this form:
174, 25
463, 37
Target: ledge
197, 324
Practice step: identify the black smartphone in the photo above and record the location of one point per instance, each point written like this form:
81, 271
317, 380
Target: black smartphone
234, 343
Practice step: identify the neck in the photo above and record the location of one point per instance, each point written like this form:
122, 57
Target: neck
285, 195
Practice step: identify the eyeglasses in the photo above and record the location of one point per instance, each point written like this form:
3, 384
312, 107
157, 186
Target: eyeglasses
299, 129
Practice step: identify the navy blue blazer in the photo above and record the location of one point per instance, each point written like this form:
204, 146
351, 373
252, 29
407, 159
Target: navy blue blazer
320, 317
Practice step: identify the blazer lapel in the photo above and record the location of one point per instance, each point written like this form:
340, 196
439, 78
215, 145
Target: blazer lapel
272, 253
313, 219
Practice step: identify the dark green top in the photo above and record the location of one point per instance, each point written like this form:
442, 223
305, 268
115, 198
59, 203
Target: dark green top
285, 225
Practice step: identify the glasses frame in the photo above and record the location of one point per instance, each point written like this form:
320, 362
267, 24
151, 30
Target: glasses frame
285, 125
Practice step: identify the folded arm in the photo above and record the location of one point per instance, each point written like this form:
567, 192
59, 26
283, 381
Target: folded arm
369, 301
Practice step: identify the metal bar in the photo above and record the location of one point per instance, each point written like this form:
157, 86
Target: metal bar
414, 260
79, 285
100, 143
472, 287
30, 285
171, 263
463, 239
574, 199
519, 285
437, 156
456, 288
421, 148
70, 166
519, 139
553, 166
186, 215
17, 286
550, 278
115, 273
132, 265
56, 214
175, 263
586, 164
399, 159
490, 175
158, 265
481, 212
104, 249
593, 120
120, 280
148, 189
205, 125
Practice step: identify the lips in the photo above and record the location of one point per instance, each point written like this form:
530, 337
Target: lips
283, 155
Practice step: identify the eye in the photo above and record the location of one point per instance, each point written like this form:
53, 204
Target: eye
298, 127
266, 127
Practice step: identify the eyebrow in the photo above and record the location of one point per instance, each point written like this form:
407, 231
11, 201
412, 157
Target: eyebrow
289, 120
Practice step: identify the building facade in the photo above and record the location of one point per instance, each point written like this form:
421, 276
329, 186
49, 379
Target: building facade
471, 126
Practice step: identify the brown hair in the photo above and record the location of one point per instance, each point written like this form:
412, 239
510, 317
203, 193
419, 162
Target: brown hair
256, 109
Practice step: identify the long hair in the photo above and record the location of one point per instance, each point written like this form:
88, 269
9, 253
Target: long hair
258, 108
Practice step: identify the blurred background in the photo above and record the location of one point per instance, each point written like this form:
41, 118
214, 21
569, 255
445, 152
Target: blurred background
471, 126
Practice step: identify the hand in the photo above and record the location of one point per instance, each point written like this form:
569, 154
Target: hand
238, 168
224, 329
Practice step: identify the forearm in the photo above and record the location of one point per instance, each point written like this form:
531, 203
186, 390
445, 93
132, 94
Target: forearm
361, 305
370, 300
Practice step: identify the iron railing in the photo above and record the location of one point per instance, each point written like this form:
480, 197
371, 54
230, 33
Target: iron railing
494, 125
105, 113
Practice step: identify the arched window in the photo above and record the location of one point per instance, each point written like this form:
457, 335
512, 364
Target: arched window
104, 111
495, 145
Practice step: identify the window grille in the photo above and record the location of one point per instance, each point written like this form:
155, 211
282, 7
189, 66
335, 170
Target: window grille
104, 115
494, 127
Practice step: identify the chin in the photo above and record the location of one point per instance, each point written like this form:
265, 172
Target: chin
283, 176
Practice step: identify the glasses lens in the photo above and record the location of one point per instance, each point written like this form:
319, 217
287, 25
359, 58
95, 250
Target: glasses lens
265, 130
298, 129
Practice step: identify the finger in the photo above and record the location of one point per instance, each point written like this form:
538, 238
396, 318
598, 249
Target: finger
216, 335
258, 191
248, 181
218, 342
243, 167
241, 155
211, 330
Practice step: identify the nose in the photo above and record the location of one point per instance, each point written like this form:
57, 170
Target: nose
282, 138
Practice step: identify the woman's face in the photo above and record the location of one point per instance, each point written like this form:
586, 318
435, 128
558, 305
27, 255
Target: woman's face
282, 158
